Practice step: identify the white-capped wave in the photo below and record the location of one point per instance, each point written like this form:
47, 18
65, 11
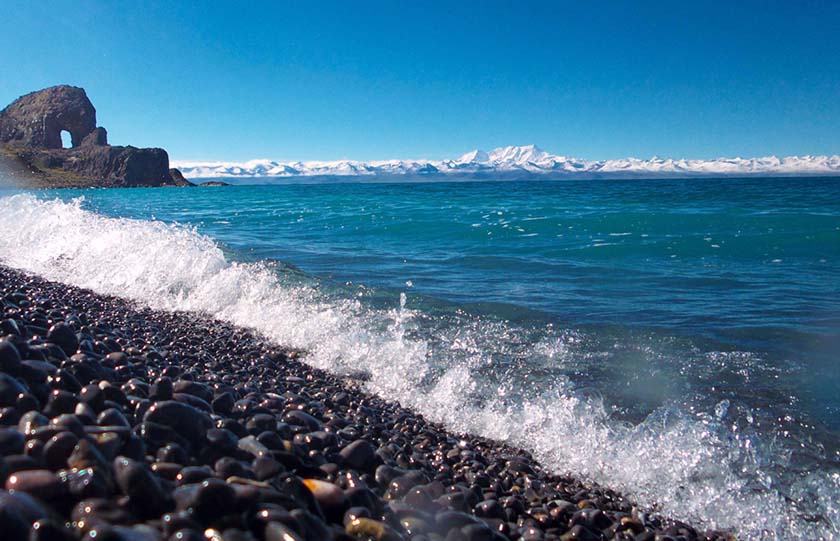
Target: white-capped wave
692, 467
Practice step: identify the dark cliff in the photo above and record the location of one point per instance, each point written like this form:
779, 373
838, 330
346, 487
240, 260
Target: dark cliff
30, 133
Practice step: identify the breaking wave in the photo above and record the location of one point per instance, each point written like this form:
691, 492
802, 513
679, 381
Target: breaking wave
473, 373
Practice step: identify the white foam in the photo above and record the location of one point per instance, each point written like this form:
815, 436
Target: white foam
690, 466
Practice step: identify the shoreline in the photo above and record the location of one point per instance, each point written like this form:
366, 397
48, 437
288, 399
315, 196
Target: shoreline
295, 452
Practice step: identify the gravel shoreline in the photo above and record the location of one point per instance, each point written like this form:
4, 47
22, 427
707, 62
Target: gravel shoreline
124, 423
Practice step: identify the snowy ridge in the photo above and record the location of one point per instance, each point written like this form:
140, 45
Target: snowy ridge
515, 161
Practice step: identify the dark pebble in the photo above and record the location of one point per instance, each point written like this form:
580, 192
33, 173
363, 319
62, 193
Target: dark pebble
42, 484
11, 441
9, 358
359, 455
185, 420
10, 389
64, 337
141, 486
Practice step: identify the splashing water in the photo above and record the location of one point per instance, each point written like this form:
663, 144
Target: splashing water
712, 463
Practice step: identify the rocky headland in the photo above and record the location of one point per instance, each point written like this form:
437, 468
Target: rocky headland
31, 152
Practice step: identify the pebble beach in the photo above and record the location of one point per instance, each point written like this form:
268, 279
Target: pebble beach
120, 422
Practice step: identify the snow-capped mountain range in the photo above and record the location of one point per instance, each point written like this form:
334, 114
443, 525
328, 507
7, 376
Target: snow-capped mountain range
518, 162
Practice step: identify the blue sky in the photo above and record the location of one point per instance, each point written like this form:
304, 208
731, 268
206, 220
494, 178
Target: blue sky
368, 80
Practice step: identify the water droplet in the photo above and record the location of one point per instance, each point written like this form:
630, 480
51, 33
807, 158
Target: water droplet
722, 409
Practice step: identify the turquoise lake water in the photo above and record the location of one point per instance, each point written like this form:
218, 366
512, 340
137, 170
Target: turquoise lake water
676, 339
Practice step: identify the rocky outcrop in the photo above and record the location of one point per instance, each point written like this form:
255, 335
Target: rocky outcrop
178, 178
37, 119
30, 131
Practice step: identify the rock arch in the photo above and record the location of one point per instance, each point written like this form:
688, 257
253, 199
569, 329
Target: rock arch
37, 119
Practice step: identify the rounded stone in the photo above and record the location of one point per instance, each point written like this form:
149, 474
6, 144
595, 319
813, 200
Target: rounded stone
187, 421
58, 449
10, 389
63, 335
140, 485
12, 441
9, 358
42, 484
360, 455
214, 498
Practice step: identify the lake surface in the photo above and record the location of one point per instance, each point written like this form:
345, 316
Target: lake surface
674, 339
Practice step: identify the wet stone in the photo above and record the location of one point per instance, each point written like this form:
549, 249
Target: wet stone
224, 441
193, 474
223, 403
162, 389
64, 379
10, 389
60, 402
265, 467
22, 505
193, 388
227, 467
12, 524
140, 485
95, 511
490, 509
64, 336
313, 526
253, 447
193, 401
93, 396
172, 452
326, 494
85, 483
11, 441
400, 486
58, 449
580, 533
172, 522
300, 418
187, 421
16, 463
112, 417
277, 531
359, 455
9, 358
372, 529
9, 416
50, 530
70, 423
42, 484
10, 326
212, 498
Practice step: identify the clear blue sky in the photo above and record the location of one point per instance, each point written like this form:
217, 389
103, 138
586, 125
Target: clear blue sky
367, 80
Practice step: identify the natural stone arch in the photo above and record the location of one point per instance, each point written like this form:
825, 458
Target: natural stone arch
37, 119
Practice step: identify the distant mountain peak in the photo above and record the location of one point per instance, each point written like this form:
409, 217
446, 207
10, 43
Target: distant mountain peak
474, 156
519, 154
528, 161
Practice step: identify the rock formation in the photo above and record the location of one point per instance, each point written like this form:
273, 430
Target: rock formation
30, 131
